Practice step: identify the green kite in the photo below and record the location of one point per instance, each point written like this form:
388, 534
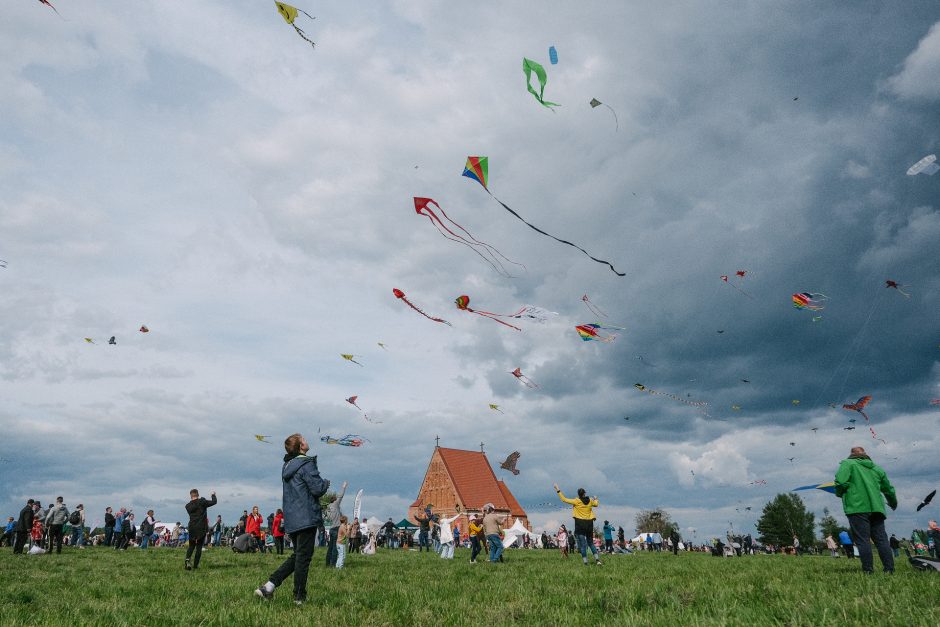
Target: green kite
529, 66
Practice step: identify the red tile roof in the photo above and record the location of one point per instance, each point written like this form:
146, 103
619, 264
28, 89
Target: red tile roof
473, 478
514, 508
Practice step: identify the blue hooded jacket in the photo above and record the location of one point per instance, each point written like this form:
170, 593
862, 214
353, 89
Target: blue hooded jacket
303, 488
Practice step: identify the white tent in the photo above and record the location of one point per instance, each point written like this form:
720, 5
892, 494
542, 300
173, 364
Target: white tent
374, 524
517, 531
657, 538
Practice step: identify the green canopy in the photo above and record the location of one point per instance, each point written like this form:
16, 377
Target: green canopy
406, 524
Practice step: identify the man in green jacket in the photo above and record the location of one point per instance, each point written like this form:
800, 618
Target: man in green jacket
860, 483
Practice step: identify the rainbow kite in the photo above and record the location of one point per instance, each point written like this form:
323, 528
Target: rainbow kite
477, 168
589, 332
825, 487
808, 300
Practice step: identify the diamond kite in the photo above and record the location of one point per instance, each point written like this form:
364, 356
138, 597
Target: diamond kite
589, 332
289, 14
262, 438
350, 358
809, 300
477, 168
495, 408
595, 103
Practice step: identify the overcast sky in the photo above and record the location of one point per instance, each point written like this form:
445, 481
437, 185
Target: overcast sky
204, 172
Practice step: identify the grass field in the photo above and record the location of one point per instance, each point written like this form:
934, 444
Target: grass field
99, 586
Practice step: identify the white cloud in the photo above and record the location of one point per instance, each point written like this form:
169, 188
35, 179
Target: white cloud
920, 76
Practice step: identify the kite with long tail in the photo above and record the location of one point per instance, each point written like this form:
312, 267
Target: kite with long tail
897, 286
489, 254
477, 168
348, 357
526, 381
674, 397
859, 406
49, 4
401, 296
724, 277
590, 332
347, 440
597, 311
289, 14
595, 103
463, 303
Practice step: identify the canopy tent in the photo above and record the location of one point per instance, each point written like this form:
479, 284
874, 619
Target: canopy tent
657, 538
374, 524
406, 524
515, 532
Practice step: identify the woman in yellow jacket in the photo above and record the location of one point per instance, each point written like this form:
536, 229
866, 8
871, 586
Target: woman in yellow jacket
582, 508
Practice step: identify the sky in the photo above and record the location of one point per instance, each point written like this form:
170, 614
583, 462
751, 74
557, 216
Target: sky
248, 198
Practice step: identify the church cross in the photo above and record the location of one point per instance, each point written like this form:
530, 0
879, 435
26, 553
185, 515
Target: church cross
437, 442
481, 447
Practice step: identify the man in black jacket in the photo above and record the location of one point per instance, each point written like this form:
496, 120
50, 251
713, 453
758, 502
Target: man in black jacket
23, 526
198, 526
108, 526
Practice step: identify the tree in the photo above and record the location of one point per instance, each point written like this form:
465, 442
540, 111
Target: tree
828, 525
656, 521
784, 517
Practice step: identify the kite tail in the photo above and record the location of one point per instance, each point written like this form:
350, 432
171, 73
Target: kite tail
488, 246
616, 121
538, 230
443, 230
307, 14
408, 302
595, 309
492, 316
302, 35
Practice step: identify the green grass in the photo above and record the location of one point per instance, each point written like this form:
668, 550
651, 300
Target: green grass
100, 586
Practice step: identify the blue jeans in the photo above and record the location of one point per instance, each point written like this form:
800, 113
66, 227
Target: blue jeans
496, 547
331, 552
584, 543
216, 538
144, 540
865, 529
423, 540
78, 536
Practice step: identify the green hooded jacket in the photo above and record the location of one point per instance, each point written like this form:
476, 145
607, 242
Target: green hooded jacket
860, 483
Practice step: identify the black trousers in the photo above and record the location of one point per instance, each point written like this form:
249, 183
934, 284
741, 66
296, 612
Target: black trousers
298, 564
20, 541
475, 547
331, 553
279, 544
865, 529
108, 535
55, 538
849, 551
195, 545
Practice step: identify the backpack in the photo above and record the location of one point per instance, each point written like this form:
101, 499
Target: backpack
75, 517
146, 528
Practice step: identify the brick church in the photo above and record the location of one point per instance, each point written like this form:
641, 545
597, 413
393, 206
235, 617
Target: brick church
464, 481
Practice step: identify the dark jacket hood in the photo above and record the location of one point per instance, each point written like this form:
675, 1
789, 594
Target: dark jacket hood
585, 499
293, 463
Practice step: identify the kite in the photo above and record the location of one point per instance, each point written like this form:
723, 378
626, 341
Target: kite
858, 406
895, 285
745, 381
626, 417
261, 438
741, 273
89, 340
595, 103
112, 341
926, 166
510, 463
791, 459
529, 66
809, 300
289, 14
533, 313
477, 168
401, 295
589, 332
553, 55
49, 4
346, 440
463, 303
643, 361
350, 358
352, 401
848, 428
795, 401
814, 429
643, 388
591, 306
825, 487
3, 264
495, 408
529, 383
758, 482
852, 420
817, 318
792, 443
720, 331
484, 250
736, 407
144, 329
724, 277
935, 401
926, 500
380, 343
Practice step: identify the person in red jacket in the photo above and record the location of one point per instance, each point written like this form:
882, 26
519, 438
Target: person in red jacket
253, 526
278, 532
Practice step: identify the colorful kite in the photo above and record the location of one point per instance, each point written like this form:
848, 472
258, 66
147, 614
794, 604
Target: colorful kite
674, 397
895, 285
859, 406
529, 383
352, 401
589, 332
926, 166
597, 311
350, 358
486, 252
144, 329
553, 55
347, 440
724, 277
595, 103
262, 438
477, 168
935, 401
401, 295
529, 66
510, 463
113, 340
829, 487
495, 408
809, 300
289, 14
463, 303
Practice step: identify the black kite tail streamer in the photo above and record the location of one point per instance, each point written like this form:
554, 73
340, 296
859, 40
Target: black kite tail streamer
537, 229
